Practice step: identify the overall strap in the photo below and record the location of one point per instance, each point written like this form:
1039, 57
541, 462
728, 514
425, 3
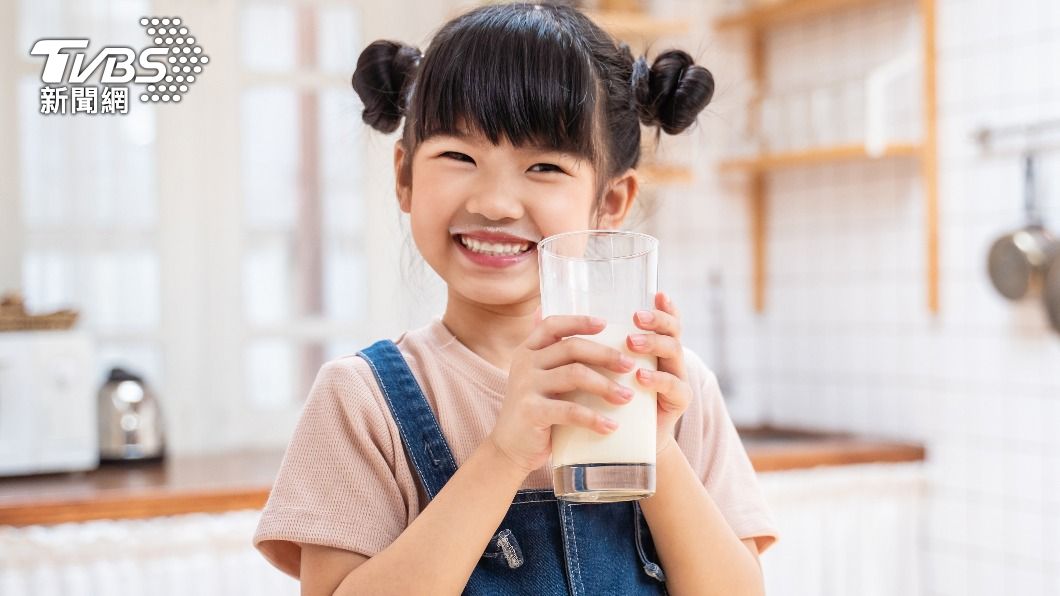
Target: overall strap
420, 433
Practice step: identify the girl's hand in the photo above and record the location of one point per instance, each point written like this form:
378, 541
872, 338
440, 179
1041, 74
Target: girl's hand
671, 380
549, 363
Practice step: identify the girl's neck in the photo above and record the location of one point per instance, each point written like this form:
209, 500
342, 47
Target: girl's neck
492, 332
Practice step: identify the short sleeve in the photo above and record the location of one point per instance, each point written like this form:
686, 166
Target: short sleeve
337, 485
709, 440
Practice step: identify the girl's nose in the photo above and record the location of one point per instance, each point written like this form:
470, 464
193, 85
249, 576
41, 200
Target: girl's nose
496, 202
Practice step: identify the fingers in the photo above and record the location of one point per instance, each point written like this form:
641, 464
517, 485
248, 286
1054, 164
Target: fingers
663, 303
579, 349
662, 346
665, 320
674, 395
554, 328
557, 411
665, 342
579, 377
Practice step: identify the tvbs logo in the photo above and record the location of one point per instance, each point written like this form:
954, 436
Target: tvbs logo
166, 68
118, 63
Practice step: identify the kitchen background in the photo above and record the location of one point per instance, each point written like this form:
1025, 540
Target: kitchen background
225, 247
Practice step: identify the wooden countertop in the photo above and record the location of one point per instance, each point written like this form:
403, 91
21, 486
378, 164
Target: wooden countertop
227, 482
775, 449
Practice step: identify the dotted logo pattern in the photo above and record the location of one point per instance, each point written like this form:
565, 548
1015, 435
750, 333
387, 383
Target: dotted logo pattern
185, 59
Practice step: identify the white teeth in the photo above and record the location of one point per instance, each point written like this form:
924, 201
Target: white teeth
493, 248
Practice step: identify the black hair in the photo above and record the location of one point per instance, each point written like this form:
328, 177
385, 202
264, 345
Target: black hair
543, 74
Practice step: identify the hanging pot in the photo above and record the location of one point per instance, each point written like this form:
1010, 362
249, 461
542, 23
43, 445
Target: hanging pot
1051, 293
1018, 260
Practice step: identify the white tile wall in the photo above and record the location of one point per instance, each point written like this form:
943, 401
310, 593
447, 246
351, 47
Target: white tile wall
847, 341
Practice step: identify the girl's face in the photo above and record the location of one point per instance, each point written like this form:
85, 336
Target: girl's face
477, 210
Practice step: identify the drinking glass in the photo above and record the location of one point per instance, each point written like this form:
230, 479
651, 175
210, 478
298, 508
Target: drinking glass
608, 274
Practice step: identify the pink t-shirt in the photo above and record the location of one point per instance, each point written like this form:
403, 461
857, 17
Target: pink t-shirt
345, 481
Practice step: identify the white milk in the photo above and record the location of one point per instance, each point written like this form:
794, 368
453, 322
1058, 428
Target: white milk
634, 439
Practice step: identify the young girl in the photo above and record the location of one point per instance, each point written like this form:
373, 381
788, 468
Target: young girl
421, 467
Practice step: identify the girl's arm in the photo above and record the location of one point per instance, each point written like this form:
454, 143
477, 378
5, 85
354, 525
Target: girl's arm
697, 548
438, 551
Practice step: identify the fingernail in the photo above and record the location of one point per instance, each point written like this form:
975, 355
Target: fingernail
645, 374
638, 340
625, 361
610, 424
597, 321
624, 392
645, 316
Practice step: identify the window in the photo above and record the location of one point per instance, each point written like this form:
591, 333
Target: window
302, 253
217, 246
87, 197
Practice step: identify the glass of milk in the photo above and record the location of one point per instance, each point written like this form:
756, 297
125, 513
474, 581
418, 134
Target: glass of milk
608, 274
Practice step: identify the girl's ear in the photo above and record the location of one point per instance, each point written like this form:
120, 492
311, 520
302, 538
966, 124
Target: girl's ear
617, 200
402, 186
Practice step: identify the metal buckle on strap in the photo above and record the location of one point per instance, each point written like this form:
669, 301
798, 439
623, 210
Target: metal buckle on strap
504, 544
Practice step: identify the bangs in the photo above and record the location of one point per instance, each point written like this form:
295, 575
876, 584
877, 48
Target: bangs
519, 77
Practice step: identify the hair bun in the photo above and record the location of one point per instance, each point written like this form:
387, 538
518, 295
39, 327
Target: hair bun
672, 92
383, 72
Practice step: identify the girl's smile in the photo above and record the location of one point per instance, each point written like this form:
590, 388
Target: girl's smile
495, 249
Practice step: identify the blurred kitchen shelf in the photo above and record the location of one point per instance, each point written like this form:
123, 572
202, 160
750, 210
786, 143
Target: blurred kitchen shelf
780, 11
756, 22
774, 449
665, 174
816, 156
632, 25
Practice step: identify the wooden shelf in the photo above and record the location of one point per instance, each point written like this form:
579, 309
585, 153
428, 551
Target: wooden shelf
817, 156
773, 448
781, 11
757, 22
657, 174
629, 25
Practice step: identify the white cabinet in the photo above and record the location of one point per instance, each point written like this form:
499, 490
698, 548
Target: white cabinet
846, 530
197, 554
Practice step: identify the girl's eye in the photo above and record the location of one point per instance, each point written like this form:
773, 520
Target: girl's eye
546, 167
458, 156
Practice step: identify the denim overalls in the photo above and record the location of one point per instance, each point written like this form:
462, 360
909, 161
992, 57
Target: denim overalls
543, 546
